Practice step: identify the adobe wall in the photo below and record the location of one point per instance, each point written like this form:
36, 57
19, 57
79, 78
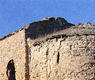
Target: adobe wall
71, 58
13, 47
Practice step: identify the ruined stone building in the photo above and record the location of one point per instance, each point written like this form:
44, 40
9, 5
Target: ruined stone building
50, 49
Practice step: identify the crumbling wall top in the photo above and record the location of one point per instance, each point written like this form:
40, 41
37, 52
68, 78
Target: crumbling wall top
50, 25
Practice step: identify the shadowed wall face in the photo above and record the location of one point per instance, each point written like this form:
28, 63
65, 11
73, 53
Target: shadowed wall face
46, 26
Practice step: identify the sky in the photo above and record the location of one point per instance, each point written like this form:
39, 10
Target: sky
14, 14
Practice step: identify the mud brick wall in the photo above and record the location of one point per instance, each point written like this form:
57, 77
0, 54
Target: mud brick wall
71, 58
13, 47
69, 54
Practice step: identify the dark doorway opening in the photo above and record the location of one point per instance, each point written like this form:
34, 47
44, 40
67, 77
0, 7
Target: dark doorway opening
11, 70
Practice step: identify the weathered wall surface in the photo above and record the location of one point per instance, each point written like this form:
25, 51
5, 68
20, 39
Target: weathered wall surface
13, 47
62, 51
71, 58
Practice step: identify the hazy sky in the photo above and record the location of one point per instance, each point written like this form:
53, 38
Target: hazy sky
14, 14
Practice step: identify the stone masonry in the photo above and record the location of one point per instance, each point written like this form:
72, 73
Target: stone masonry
50, 49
